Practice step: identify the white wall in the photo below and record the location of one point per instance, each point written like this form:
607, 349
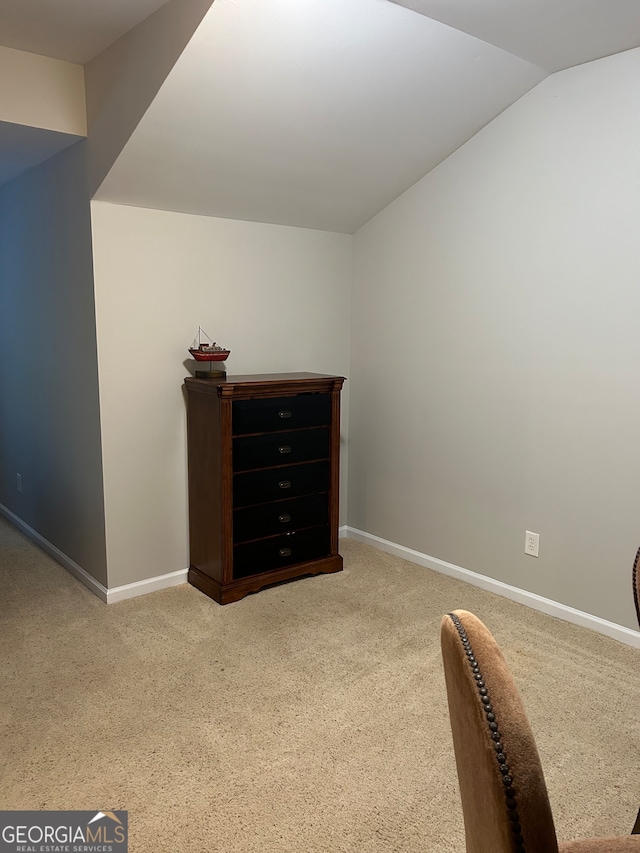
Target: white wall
495, 348
49, 417
278, 297
42, 92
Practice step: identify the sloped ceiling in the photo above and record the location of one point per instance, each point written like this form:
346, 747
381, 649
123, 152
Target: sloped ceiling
69, 30
318, 113
124, 79
314, 113
73, 30
553, 34
120, 81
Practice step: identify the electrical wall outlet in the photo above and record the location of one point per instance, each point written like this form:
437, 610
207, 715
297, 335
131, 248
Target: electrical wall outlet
19, 482
531, 543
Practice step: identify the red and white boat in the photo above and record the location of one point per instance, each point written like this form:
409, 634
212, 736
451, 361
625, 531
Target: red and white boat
207, 350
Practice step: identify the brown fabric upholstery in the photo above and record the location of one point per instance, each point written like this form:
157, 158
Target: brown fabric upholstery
487, 823
504, 796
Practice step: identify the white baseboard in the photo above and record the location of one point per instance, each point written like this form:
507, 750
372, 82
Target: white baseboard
131, 590
109, 596
530, 599
77, 571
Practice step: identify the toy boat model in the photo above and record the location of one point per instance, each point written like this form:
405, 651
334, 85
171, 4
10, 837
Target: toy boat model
207, 350
209, 353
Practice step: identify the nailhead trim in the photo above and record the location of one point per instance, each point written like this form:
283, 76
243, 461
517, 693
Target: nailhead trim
494, 733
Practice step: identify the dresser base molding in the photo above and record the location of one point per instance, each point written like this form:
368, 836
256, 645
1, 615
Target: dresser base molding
234, 591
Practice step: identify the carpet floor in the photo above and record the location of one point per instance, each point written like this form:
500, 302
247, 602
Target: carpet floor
309, 718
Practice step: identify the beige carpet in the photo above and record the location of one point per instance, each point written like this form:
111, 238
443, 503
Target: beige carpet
310, 718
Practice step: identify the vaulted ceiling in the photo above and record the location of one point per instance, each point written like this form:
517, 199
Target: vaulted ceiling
72, 30
318, 113
553, 34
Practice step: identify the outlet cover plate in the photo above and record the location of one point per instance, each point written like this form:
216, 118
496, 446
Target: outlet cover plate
531, 543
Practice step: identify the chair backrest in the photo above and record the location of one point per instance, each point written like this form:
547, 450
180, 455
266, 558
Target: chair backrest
504, 796
636, 583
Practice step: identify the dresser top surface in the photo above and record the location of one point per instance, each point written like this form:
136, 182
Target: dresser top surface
232, 385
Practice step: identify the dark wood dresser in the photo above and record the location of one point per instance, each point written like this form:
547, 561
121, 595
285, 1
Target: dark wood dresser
264, 468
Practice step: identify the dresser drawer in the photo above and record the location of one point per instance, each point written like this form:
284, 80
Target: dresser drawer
280, 413
274, 484
267, 554
280, 516
282, 448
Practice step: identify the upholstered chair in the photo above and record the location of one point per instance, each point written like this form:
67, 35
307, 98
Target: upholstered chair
504, 796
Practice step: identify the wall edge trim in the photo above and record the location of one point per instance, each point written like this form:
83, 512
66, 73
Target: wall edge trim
108, 596
514, 593
59, 556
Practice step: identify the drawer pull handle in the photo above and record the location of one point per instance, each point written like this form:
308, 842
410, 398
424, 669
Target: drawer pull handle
285, 552
284, 414
284, 484
284, 448
284, 518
